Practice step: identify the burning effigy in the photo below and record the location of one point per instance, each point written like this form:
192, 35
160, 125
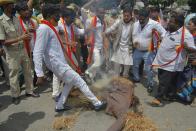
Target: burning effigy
119, 94
120, 99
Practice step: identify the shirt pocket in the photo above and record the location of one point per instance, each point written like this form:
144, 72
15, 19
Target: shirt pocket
9, 28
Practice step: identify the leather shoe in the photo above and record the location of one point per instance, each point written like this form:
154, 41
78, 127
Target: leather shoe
16, 100
156, 103
101, 106
66, 108
32, 95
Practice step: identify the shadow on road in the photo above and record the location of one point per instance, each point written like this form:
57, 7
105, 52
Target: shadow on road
20, 121
3, 86
45, 88
5, 101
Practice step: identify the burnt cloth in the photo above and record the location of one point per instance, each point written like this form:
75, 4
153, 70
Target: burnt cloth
119, 99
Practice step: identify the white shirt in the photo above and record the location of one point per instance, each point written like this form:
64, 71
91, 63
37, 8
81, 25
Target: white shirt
124, 39
167, 51
125, 35
144, 36
98, 32
77, 30
47, 47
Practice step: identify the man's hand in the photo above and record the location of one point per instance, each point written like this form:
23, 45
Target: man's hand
190, 49
26, 36
73, 44
40, 81
136, 45
31, 29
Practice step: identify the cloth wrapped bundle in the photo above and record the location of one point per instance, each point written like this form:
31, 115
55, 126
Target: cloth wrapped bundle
119, 100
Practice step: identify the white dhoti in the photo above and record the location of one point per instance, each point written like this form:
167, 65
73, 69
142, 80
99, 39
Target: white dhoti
122, 56
122, 59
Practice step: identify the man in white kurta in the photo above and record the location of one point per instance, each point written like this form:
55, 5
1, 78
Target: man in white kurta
48, 48
69, 17
123, 43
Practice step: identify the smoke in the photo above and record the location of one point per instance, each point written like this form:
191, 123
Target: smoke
109, 4
103, 83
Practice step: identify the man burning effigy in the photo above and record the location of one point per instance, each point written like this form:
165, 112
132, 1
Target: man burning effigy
49, 47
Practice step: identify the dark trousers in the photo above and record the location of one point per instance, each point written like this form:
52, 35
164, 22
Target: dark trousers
167, 83
84, 53
1, 66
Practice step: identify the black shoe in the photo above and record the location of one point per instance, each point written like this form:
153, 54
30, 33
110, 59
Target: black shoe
171, 98
35, 95
66, 108
100, 107
16, 100
57, 97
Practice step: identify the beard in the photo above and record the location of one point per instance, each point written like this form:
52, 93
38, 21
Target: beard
172, 28
127, 21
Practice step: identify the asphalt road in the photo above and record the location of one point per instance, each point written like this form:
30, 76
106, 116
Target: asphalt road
37, 114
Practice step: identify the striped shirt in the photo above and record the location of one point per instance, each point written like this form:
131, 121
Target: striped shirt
192, 55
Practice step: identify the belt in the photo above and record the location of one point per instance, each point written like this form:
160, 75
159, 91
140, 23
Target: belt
142, 50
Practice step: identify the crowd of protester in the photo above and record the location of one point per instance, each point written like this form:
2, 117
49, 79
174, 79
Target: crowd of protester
77, 45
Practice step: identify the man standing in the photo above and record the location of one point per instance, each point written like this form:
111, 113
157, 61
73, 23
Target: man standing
95, 41
123, 45
142, 36
50, 48
68, 32
13, 38
27, 24
171, 57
